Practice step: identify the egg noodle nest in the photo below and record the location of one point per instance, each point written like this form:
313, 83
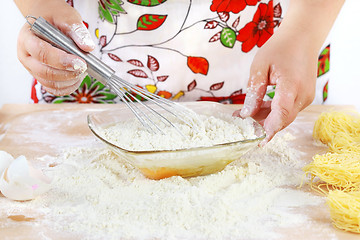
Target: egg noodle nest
336, 173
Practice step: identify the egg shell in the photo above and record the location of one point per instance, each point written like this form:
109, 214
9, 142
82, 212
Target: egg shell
20, 181
5, 160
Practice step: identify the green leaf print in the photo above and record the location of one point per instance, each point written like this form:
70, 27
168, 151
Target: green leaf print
148, 22
109, 9
327, 65
99, 86
86, 81
271, 95
228, 37
325, 91
147, 3
324, 61
325, 51
107, 95
271, 92
59, 101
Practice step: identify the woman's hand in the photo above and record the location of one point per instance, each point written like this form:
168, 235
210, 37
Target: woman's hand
60, 73
289, 61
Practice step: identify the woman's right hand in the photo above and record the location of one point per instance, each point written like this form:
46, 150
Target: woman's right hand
60, 73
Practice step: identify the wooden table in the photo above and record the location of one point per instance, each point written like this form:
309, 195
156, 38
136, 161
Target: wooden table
26, 130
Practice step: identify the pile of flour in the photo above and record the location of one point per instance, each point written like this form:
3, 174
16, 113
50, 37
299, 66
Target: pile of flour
205, 131
97, 196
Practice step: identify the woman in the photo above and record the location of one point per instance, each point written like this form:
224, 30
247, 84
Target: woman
188, 50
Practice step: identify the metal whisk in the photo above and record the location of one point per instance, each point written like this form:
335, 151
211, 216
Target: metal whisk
143, 111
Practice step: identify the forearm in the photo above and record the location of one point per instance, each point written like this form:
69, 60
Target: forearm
26, 7
310, 21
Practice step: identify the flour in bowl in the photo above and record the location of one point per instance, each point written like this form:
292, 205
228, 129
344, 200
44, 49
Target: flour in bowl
207, 131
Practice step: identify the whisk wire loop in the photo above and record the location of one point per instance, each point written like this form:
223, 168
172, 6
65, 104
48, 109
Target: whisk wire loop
118, 85
103, 73
161, 102
136, 112
140, 115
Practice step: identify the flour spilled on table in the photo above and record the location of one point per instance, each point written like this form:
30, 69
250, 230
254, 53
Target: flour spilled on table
96, 195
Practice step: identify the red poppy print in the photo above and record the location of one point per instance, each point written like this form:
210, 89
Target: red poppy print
33, 92
259, 30
234, 6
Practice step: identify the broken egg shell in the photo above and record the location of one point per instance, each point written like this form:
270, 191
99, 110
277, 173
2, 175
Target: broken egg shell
5, 160
20, 181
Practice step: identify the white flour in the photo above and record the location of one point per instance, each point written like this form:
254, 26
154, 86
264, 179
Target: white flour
98, 196
208, 131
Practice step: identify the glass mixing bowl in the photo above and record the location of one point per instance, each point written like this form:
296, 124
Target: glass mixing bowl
184, 162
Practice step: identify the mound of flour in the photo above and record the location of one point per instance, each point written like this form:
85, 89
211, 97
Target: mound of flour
95, 195
207, 131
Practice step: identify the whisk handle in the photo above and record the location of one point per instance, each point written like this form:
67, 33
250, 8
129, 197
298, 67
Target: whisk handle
49, 33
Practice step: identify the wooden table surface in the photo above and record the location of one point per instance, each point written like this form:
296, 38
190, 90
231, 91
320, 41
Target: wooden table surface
21, 123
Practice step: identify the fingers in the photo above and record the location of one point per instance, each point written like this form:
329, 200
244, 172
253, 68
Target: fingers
65, 90
81, 36
260, 115
293, 93
57, 71
49, 55
256, 90
42, 71
67, 20
284, 108
277, 114
57, 86
74, 27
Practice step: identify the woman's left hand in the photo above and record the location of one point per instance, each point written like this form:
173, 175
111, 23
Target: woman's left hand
290, 63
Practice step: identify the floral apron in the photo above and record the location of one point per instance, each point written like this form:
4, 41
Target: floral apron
185, 50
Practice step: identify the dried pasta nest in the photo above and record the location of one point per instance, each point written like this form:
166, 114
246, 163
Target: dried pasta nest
339, 130
345, 209
339, 168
